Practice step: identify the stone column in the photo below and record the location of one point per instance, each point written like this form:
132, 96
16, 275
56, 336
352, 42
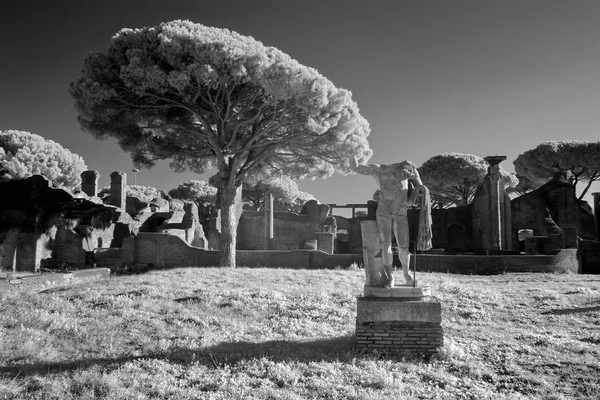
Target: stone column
118, 184
269, 234
597, 213
89, 182
495, 207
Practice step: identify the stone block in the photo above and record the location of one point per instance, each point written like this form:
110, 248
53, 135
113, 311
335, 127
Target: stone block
97, 273
570, 237
45, 279
440, 252
536, 245
555, 242
325, 241
404, 292
377, 310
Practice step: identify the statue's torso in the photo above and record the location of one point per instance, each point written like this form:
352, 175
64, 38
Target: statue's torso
393, 185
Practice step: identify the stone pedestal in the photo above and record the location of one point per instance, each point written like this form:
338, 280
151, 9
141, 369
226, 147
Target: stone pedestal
405, 292
397, 325
325, 241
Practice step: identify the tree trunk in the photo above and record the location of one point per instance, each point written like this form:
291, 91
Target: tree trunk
229, 221
585, 190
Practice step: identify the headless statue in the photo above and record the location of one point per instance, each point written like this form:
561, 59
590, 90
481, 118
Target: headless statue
393, 201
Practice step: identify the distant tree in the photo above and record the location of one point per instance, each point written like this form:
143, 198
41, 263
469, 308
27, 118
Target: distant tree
23, 154
201, 96
522, 186
453, 178
200, 192
580, 159
286, 194
143, 193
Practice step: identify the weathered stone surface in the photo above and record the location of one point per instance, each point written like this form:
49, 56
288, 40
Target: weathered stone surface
118, 183
159, 205
589, 254
399, 292
37, 225
291, 230
551, 208
536, 245
491, 212
325, 241
597, 214
318, 211
370, 310
89, 182
97, 273
45, 279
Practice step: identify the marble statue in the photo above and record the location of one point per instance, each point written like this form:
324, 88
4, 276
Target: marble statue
393, 201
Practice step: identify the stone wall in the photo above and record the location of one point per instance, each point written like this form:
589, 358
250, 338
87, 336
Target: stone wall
169, 251
550, 209
291, 230
564, 261
452, 229
589, 253
9, 241
68, 248
162, 250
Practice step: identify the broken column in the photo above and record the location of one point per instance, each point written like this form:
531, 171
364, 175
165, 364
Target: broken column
89, 182
118, 184
491, 211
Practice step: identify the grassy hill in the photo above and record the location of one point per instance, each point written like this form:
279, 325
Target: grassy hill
288, 334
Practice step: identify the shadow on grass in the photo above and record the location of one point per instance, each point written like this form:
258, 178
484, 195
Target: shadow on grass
576, 310
331, 349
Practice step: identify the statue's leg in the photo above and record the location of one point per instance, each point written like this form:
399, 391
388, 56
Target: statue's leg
403, 239
384, 226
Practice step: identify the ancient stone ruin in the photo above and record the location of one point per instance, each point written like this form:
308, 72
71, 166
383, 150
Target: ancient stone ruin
42, 226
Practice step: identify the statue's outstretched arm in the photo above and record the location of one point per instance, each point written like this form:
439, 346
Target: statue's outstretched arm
371, 169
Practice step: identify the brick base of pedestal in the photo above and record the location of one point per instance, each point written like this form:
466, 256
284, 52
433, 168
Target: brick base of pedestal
397, 326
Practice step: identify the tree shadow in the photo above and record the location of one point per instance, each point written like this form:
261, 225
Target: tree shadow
567, 311
220, 355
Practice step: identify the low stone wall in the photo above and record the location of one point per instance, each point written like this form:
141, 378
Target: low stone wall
564, 261
163, 250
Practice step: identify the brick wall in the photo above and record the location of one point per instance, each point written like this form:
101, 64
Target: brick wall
399, 325
418, 338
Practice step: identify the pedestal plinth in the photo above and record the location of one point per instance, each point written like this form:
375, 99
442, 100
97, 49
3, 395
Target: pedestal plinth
399, 325
406, 292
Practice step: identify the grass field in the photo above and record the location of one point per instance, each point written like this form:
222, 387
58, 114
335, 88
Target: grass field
288, 334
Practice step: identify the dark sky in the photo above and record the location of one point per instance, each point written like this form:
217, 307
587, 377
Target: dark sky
479, 77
